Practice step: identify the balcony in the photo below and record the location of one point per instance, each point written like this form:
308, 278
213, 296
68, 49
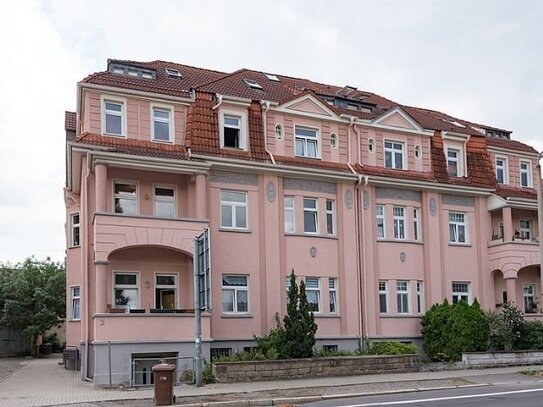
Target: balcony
173, 327
512, 255
113, 232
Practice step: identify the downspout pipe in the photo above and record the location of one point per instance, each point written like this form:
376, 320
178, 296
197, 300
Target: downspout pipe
266, 106
219, 102
85, 265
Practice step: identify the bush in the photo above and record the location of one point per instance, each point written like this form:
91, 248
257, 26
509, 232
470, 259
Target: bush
531, 337
269, 344
448, 330
207, 374
507, 328
392, 348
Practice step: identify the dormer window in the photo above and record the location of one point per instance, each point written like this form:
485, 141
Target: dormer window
453, 162
525, 174
454, 149
233, 130
394, 154
133, 71
307, 144
162, 124
501, 170
173, 73
252, 84
113, 116
118, 69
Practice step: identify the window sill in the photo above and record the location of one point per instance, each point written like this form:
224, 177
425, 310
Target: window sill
306, 156
400, 241
235, 230
74, 247
234, 148
460, 244
311, 235
332, 316
234, 315
162, 141
114, 135
405, 316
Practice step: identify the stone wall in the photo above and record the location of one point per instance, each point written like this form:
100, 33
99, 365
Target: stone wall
262, 370
494, 359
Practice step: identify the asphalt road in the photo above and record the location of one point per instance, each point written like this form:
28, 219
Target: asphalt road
499, 395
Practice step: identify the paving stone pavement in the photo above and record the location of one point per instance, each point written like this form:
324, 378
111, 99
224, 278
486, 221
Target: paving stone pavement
8, 366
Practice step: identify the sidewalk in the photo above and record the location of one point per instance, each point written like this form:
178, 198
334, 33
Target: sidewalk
42, 382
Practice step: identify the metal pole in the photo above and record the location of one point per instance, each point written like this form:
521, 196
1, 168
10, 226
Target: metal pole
109, 362
197, 319
540, 218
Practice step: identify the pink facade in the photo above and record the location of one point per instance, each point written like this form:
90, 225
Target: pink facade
383, 210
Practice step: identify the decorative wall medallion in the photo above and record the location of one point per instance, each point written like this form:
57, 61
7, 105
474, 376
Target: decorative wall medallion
366, 199
433, 206
270, 191
313, 251
310, 185
349, 198
396, 193
233, 177
402, 256
458, 200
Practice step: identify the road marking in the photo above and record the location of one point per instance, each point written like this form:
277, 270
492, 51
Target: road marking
467, 396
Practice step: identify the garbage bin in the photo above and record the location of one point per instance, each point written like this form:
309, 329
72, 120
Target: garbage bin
163, 379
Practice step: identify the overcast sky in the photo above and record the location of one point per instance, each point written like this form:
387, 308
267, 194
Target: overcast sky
479, 60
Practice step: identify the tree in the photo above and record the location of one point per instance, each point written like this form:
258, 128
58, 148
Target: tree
299, 323
33, 297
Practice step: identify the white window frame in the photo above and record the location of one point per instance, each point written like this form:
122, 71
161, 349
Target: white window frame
170, 122
126, 286
420, 297
458, 160
235, 290
128, 182
175, 287
333, 295
243, 139
416, 225
532, 297
460, 294
330, 217
527, 171
403, 297
456, 224
382, 217
393, 150
233, 205
122, 114
315, 212
525, 232
73, 227
73, 299
289, 207
501, 230
317, 290
161, 199
383, 291
303, 138
399, 221
504, 169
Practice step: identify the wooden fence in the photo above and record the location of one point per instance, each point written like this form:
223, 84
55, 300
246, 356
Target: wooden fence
13, 343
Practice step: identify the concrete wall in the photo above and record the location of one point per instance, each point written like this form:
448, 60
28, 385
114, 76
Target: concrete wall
321, 367
493, 359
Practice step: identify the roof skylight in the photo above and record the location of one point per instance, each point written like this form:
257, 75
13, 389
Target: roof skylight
252, 84
272, 77
173, 73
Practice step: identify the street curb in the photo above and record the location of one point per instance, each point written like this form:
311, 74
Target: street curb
309, 399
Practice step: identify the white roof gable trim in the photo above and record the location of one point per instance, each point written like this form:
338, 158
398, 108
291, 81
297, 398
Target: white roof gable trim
398, 110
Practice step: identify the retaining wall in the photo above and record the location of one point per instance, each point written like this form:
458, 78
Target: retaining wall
262, 370
496, 359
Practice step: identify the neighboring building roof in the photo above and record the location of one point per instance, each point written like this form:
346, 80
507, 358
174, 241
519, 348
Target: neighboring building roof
506, 191
70, 121
510, 145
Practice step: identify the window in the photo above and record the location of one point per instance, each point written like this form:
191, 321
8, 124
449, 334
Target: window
332, 295
525, 174
460, 292
235, 296
232, 131
125, 198
174, 73
162, 129
219, 352
165, 291
113, 117
416, 223
329, 348
501, 170
380, 221
288, 203
306, 142
330, 217
333, 140
126, 289
311, 216
75, 232
399, 222
383, 297
457, 227
417, 151
371, 145
234, 210
420, 297
252, 84
402, 296
312, 289
76, 303
453, 162
500, 230
278, 132
394, 155
525, 229
165, 202
272, 77
530, 302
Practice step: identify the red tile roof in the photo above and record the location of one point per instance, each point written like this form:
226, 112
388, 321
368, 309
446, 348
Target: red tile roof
70, 121
510, 145
506, 191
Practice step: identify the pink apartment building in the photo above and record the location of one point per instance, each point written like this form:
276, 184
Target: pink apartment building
383, 209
